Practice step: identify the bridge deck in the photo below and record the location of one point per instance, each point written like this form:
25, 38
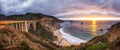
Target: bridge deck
14, 21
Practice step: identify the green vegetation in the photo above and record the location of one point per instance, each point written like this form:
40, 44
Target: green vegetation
99, 39
45, 33
99, 46
27, 35
1, 45
24, 46
49, 45
7, 38
6, 31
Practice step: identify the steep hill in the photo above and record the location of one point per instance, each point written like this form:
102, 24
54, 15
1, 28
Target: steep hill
12, 39
27, 16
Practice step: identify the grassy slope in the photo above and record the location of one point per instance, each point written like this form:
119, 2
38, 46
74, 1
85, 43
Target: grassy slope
22, 42
28, 41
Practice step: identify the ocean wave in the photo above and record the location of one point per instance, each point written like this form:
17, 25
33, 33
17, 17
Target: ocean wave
71, 39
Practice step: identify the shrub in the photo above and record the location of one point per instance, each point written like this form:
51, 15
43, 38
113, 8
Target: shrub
1, 45
99, 46
45, 33
25, 46
27, 34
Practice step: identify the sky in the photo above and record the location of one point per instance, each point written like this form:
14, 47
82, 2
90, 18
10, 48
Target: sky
60, 7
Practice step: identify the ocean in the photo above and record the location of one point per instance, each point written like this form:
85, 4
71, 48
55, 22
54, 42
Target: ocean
77, 32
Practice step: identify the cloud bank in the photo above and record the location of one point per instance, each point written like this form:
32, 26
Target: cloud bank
53, 7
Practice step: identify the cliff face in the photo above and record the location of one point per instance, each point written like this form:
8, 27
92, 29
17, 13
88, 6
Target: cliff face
45, 28
50, 23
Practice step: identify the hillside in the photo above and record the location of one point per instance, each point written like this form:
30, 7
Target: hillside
47, 26
12, 39
28, 16
41, 38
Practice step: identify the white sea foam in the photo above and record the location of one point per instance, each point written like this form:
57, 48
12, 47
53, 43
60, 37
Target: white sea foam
71, 39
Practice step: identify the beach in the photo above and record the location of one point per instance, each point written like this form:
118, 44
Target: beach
65, 39
60, 40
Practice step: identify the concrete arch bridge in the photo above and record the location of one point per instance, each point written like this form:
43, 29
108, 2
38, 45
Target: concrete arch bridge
22, 25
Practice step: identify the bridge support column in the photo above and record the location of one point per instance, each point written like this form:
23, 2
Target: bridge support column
19, 26
34, 25
13, 24
16, 25
22, 26
26, 26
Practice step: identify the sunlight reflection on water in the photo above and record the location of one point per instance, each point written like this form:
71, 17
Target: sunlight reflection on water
94, 30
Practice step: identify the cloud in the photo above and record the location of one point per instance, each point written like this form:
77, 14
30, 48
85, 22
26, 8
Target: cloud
52, 7
15, 6
0, 9
116, 5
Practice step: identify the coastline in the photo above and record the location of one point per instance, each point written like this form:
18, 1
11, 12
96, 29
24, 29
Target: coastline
71, 39
60, 40
65, 39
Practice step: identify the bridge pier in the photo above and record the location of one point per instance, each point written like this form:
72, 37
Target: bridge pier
34, 25
16, 25
26, 26
19, 26
22, 26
